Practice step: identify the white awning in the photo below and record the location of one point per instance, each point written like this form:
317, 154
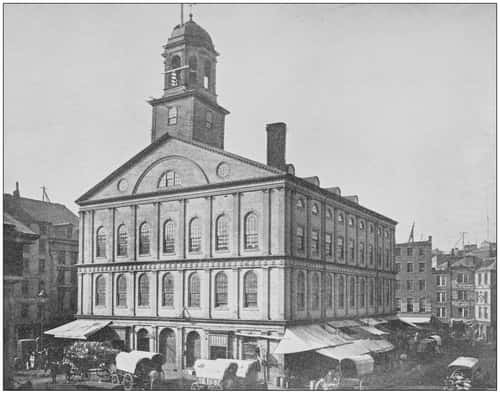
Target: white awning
310, 337
377, 345
372, 330
127, 361
78, 329
416, 319
344, 351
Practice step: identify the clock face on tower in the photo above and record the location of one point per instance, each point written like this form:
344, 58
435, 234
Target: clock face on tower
223, 170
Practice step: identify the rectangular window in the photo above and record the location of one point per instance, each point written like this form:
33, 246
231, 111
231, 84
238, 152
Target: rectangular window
351, 250
462, 295
398, 267
441, 296
421, 284
61, 257
409, 285
172, 116
41, 265
209, 120
409, 267
421, 251
25, 288
328, 245
398, 284
398, 251
397, 304
441, 312
409, 251
480, 312
421, 267
300, 239
409, 305
440, 280
362, 253
74, 258
315, 242
340, 248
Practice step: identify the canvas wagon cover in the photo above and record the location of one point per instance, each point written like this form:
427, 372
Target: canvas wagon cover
212, 369
467, 362
127, 361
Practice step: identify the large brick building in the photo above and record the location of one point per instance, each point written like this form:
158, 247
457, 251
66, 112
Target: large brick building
415, 288
193, 251
49, 263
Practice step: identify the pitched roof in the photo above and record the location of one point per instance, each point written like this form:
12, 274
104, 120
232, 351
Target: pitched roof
28, 210
19, 226
159, 142
467, 261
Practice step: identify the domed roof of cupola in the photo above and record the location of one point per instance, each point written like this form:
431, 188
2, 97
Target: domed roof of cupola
190, 33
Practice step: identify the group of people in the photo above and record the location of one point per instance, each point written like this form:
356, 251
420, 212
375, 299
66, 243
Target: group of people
33, 360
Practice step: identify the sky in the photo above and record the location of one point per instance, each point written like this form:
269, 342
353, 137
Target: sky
393, 103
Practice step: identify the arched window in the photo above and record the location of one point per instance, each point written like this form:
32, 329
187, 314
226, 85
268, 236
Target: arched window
143, 340
144, 239
193, 68
361, 225
251, 231
340, 218
167, 290
193, 348
221, 289
329, 214
174, 76
341, 289
361, 293
352, 293
207, 70
362, 253
194, 235
100, 242
221, 233
315, 288
143, 296
328, 291
100, 291
122, 241
315, 209
370, 254
169, 237
301, 291
250, 289
371, 291
167, 346
121, 291
168, 179
300, 204
194, 290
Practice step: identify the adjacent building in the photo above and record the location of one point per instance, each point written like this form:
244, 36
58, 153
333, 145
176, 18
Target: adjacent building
195, 252
414, 287
486, 299
16, 237
49, 264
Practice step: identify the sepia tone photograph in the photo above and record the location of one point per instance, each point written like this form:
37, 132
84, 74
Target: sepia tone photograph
244, 197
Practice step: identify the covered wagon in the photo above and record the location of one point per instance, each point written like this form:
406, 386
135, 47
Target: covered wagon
137, 369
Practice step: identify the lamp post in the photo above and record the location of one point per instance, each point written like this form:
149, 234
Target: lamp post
42, 299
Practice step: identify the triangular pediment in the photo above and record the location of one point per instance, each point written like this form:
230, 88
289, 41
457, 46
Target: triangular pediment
186, 164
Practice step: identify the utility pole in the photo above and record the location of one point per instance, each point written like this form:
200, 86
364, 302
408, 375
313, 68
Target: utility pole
45, 196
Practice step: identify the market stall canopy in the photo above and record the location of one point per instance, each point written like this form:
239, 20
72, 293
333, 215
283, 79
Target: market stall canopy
377, 345
416, 319
310, 337
127, 361
343, 323
372, 321
467, 362
78, 329
364, 364
345, 351
372, 330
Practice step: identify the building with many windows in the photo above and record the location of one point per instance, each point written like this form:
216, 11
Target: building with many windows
414, 285
195, 252
486, 299
49, 263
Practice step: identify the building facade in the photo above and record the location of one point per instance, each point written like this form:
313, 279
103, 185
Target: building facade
49, 264
486, 300
196, 252
415, 286
16, 237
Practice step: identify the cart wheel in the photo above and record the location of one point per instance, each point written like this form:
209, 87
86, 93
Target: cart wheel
128, 382
115, 379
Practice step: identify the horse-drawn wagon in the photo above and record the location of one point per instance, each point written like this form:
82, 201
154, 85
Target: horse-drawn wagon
137, 369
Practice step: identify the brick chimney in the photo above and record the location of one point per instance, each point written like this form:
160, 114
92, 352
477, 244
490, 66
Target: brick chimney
16, 193
276, 143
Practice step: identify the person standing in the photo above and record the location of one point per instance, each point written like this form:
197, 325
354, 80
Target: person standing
32, 360
53, 372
